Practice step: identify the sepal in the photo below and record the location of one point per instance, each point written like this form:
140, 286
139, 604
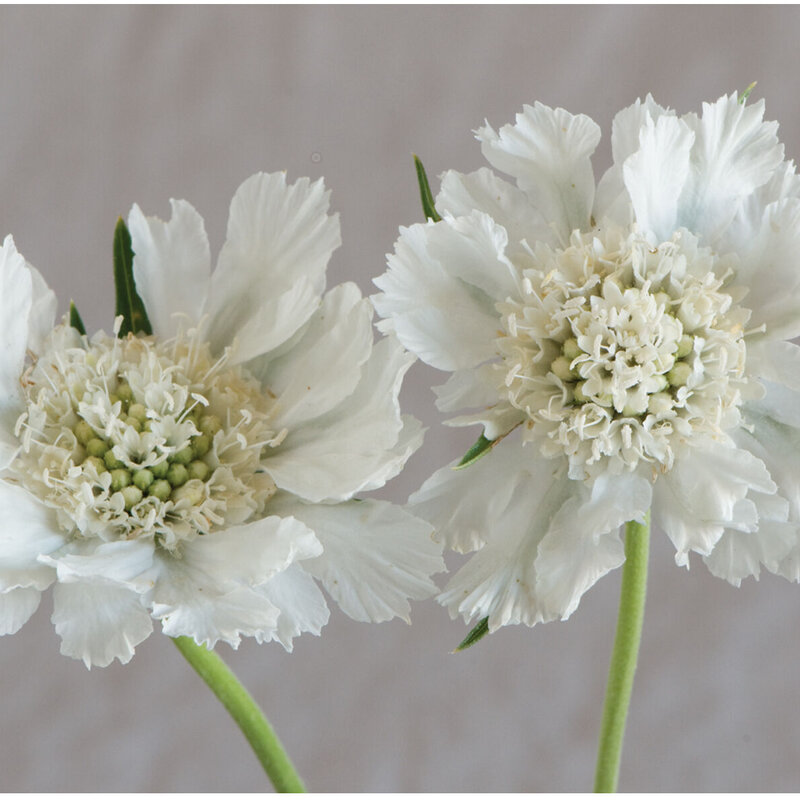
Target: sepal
129, 304
425, 192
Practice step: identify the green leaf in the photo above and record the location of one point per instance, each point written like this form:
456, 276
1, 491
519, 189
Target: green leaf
129, 304
75, 319
479, 449
425, 192
746, 93
475, 635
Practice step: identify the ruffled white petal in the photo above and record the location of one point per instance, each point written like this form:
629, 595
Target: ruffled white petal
273, 322
300, 602
477, 388
16, 608
251, 553
271, 270
777, 362
656, 173
358, 445
612, 201
472, 249
467, 388
549, 153
554, 540
448, 324
463, 505
16, 298
43, 311
767, 268
98, 622
739, 235
28, 530
735, 152
124, 563
171, 266
212, 592
706, 492
324, 366
376, 557
499, 581
777, 444
583, 542
507, 205
739, 554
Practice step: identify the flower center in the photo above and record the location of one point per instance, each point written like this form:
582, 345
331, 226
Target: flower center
619, 349
134, 437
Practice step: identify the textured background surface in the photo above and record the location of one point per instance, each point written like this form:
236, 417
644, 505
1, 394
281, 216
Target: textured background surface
102, 107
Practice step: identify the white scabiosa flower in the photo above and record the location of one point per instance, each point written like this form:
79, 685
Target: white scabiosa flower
627, 342
204, 475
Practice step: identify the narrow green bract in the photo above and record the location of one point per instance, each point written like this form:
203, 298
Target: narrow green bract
746, 93
475, 635
425, 192
480, 448
75, 320
129, 304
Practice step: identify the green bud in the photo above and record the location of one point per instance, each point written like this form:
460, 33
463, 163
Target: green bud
124, 392
96, 447
685, 346
160, 470
664, 299
209, 424
201, 445
571, 348
143, 478
561, 369
183, 456
146, 425
659, 403
98, 464
112, 462
113, 399
161, 490
177, 474
83, 432
663, 383
679, 374
132, 495
134, 423
578, 394
198, 470
137, 410
120, 478
192, 492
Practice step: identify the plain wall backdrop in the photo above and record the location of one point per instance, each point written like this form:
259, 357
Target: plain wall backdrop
106, 106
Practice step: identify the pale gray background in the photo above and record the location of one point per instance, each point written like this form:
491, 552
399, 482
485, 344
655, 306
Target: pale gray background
102, 107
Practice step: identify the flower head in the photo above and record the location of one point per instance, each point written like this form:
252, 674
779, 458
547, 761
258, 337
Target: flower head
625, 340
204, 475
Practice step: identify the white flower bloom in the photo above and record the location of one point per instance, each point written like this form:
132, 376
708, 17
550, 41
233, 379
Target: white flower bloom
204, 476
629, 340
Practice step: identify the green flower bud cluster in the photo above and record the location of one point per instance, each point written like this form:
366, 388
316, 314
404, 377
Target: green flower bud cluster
163, 481
660, 401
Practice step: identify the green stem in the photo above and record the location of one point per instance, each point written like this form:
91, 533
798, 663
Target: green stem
245, 712
623, 658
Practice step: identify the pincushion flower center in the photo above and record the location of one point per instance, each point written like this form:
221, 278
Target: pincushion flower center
618, 349
135, 437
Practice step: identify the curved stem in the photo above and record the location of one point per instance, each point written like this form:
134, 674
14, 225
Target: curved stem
245, 712
624, 655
